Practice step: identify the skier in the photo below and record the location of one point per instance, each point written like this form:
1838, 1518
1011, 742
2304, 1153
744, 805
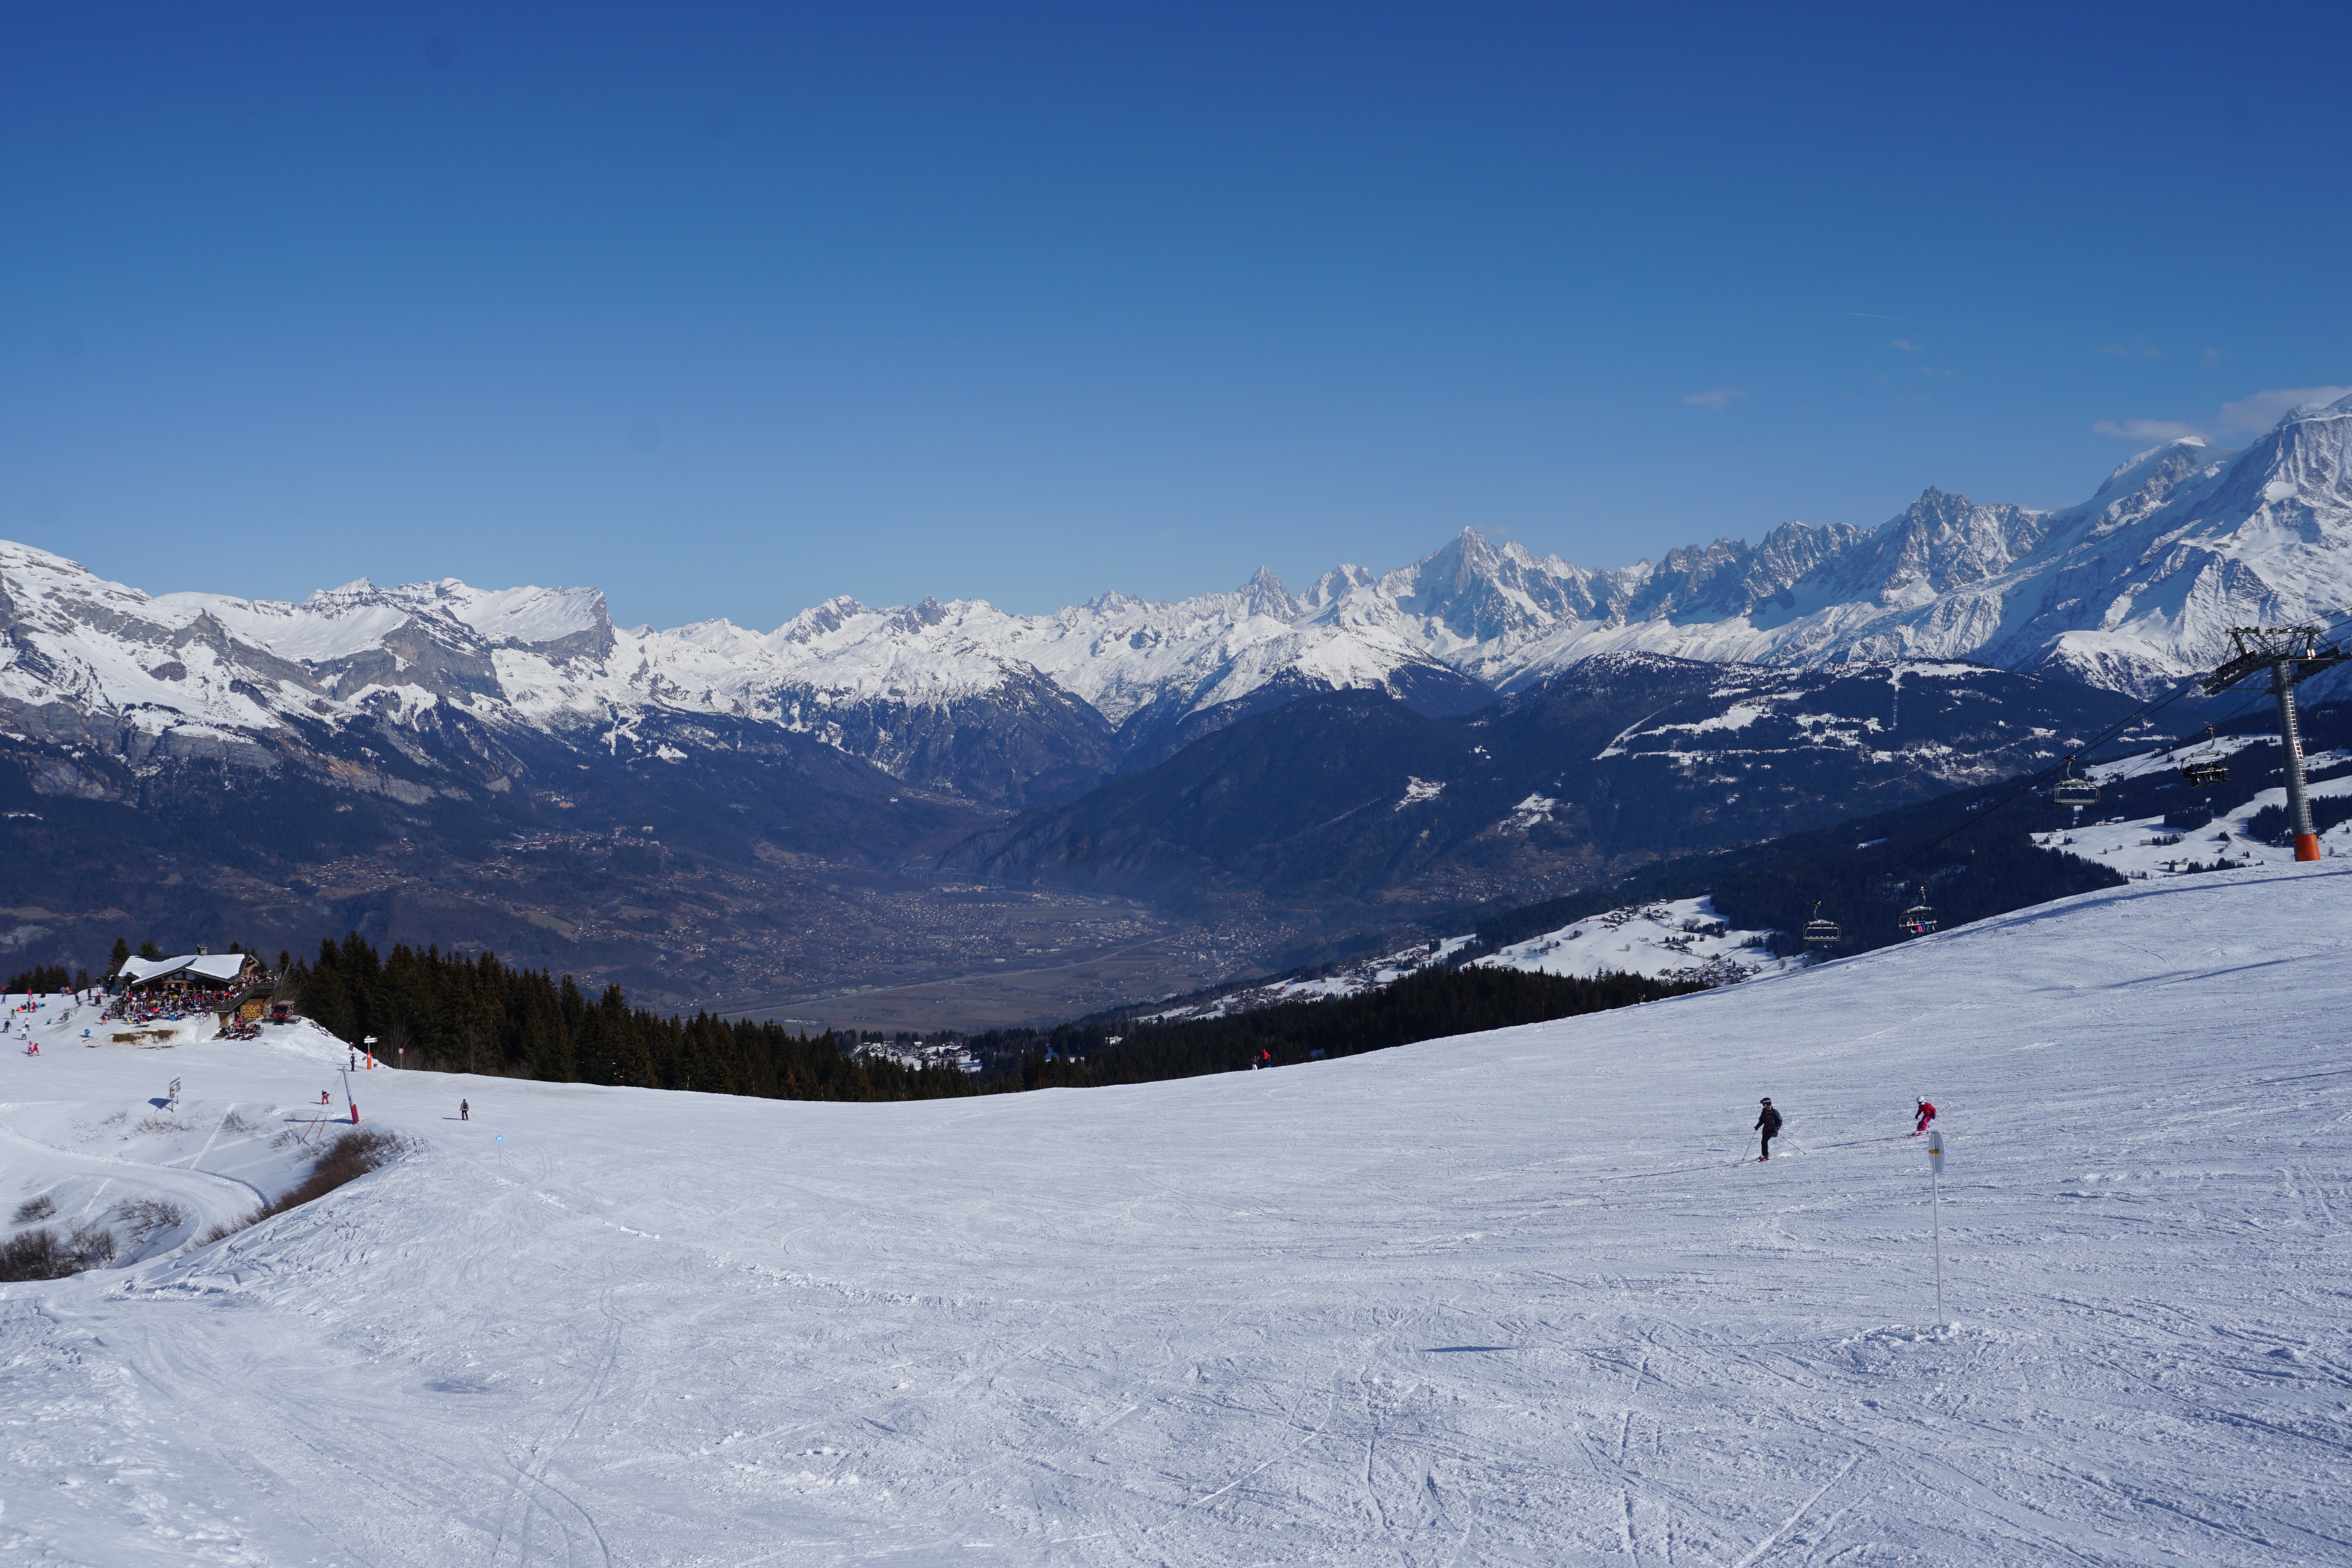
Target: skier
322, 1098
1767, 1122
1927, 1113
465, 1112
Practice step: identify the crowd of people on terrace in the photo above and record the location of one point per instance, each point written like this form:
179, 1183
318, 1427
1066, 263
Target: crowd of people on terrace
169, 1006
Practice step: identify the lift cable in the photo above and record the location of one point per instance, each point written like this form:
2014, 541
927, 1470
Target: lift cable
2139, 766
2037, 780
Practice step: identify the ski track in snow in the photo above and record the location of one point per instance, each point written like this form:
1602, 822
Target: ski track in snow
1508, 1298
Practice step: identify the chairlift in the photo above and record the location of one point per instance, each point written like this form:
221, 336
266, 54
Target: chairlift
2075, 792
1920, 918
1818, 930
2205, 767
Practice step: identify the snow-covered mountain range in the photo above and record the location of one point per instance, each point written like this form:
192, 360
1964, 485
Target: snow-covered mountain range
2131, 589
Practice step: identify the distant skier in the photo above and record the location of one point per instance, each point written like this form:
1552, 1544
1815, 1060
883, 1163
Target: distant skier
1927, 1113
322, 1098
465, 1112
1767, 1122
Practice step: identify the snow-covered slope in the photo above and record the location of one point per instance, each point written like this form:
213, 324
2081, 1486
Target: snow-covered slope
1509, 1299
152, 1174
1682, 939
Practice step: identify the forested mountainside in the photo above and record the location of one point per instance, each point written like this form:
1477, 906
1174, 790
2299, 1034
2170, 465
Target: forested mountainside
1971, 853
1352, 801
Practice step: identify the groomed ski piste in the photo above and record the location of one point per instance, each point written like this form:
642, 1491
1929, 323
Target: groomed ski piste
1512, 1298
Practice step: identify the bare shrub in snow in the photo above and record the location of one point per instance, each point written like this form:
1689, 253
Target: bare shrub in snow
40, 1205
92, 1247
146, 1215
39, 1255
226, 1229
347, 1158
32, 1256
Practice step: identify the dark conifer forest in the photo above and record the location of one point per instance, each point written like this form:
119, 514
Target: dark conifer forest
1431, 1005
49, 978
456, 1014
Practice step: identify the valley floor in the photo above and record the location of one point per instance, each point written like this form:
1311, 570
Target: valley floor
1509, 1299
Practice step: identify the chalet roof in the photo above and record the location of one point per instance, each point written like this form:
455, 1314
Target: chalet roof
196, 966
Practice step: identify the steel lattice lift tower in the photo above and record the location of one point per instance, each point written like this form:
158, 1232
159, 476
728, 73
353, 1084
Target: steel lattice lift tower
2291, 654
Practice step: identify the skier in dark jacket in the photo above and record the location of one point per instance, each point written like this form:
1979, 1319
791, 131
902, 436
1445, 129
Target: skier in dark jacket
465, 1112
1767, 1122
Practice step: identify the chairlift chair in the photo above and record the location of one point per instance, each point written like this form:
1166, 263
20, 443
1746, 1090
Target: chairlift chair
2072, 792
1920, 918
1818, 930
2205, 767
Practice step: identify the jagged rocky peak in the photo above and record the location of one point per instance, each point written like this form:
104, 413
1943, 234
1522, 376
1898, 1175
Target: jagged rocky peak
2182, 453
1789, 554
1264, 594
1943, 540
821, 620
1695, 578
1480, 591
2299, 475
919, 618
2143, 484
1340, 582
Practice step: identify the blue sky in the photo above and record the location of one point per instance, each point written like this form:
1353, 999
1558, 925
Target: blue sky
726, 309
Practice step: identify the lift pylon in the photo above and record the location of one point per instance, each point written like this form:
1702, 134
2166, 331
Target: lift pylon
2291, 654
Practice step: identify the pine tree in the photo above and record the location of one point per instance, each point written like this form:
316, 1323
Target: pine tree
327, 1002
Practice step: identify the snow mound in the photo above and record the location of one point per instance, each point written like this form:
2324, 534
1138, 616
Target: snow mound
1681, 940
1348, 980
1510, 1299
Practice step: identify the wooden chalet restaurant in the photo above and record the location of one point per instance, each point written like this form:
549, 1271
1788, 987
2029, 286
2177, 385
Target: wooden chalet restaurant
224, 983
